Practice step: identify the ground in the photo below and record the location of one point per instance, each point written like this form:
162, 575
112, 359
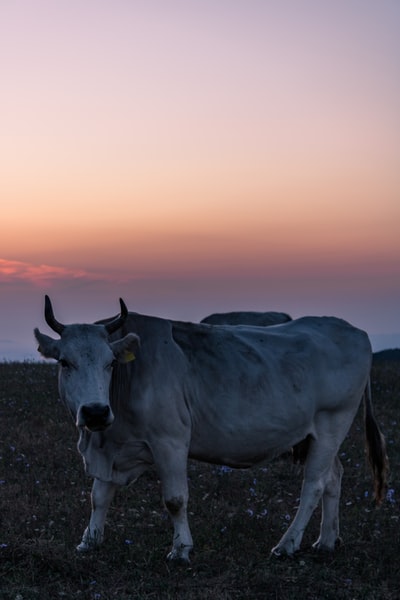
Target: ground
236, 516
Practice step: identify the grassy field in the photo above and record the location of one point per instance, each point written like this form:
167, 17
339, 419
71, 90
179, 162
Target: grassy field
236, 516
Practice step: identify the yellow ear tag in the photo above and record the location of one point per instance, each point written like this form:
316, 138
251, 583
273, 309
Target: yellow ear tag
129, 356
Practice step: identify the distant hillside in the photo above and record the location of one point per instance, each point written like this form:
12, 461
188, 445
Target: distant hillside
390, 354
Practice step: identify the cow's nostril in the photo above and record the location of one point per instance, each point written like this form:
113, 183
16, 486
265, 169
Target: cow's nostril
95, 416
95, 410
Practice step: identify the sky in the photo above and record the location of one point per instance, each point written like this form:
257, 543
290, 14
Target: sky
198, 156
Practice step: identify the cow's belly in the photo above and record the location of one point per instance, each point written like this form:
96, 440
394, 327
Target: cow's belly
238, 448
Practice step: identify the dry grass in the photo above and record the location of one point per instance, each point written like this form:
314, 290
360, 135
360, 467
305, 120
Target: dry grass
236, 516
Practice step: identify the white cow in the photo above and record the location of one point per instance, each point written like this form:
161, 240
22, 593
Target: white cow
160, 392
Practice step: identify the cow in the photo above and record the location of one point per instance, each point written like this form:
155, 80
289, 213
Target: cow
261, 319
148, 391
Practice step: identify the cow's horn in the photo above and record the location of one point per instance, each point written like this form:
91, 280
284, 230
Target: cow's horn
119, 321
50, 318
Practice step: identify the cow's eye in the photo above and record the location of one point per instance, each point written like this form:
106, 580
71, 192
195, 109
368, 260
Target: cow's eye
64, 363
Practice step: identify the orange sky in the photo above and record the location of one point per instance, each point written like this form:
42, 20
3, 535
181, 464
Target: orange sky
200, 156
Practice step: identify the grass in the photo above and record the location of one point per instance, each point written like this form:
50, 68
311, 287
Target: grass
236, 516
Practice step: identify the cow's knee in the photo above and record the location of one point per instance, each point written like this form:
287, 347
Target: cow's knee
174, 505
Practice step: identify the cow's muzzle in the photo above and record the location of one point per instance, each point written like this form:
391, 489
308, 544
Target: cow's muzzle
95, 417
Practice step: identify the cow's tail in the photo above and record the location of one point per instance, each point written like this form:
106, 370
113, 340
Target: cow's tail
375, 448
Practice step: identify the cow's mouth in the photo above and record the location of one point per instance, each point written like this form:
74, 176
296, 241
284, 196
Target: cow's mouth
95, 417
93, 428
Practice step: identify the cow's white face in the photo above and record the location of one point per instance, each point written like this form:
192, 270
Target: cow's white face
86, 358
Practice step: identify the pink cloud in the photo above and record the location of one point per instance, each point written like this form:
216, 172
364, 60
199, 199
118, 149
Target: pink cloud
10, 270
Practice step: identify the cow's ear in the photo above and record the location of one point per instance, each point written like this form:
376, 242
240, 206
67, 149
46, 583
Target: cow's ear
127, 348
48, 347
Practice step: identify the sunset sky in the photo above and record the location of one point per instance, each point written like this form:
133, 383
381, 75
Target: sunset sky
195, 156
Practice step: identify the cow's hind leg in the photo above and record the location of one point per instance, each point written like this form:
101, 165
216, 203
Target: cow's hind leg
102, 495
329, 533
319, 480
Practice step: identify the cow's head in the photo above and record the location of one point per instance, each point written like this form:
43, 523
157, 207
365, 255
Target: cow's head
86, 357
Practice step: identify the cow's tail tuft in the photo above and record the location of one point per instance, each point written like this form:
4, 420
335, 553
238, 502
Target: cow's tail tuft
375, 448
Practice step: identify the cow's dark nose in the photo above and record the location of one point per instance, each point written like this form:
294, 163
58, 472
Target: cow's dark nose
95, 416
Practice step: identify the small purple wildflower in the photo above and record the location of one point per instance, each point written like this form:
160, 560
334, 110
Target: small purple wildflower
390, 496
225, 469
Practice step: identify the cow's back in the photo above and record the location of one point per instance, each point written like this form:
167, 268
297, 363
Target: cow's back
261, 319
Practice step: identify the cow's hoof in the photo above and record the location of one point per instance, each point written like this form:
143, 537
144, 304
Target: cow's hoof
320, 547
82, 548
88, 545
90, 541
85, 547
179, 556
281, 552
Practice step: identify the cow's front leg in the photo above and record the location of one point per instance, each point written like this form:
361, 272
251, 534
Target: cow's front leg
182, 540
101, 497
172, 468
